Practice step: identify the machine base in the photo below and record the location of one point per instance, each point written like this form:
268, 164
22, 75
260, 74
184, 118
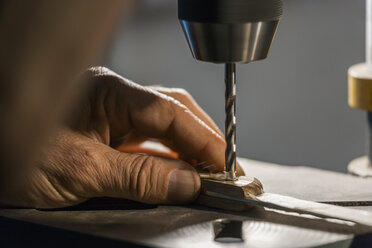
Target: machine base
360, 167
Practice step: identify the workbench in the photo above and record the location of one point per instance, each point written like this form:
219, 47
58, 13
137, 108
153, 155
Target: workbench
118, 223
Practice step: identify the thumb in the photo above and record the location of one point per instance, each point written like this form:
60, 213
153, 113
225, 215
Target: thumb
150, 179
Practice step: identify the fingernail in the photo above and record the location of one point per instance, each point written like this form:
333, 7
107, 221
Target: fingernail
183, 186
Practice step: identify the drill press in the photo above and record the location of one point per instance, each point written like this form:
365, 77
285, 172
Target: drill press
229, 32
241, 31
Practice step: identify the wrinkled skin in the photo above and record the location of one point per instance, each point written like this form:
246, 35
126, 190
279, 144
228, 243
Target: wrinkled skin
81, 162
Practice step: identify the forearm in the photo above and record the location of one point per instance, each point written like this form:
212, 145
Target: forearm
43, 46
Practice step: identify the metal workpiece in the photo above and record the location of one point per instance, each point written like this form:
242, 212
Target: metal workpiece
246, 192
230, 121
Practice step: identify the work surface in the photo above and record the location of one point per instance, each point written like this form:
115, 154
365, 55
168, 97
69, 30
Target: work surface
192, 226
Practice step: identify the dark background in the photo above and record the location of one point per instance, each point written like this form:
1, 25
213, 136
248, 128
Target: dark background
292, 107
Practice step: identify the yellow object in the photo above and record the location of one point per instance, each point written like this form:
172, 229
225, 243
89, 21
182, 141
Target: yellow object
360, 87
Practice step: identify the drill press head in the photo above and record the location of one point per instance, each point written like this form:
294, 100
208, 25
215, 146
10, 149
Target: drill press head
229, 31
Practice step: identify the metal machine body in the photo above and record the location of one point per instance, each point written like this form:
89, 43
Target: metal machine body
360, 97
229, 43
229, 32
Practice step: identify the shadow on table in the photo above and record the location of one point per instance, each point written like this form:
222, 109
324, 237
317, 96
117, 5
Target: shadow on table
16, 233
105, 203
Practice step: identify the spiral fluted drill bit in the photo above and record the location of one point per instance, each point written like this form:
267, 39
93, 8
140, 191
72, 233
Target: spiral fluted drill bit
230, 121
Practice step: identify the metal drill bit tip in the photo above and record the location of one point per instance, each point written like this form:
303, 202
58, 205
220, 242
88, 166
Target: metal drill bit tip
230, 121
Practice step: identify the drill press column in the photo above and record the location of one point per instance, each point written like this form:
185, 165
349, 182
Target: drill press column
360, 96
229, 32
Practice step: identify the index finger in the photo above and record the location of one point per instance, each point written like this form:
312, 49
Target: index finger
153, 114
185, 98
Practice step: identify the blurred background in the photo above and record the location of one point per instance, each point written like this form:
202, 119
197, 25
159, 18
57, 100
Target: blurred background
292, 107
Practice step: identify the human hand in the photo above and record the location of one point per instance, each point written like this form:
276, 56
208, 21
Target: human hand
80, 161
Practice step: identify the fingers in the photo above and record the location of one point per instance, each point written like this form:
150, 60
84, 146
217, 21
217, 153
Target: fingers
75, 167
130, 106
186, 99
149, 179
168, 119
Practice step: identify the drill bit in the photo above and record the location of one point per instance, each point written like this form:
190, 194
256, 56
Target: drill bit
230, 121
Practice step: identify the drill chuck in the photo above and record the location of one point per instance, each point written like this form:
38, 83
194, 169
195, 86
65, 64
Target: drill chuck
229, 31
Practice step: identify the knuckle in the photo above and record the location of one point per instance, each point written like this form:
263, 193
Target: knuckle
182, 94
144, 183
97, 71
165, 107
101, 76
181, 91
96, 74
